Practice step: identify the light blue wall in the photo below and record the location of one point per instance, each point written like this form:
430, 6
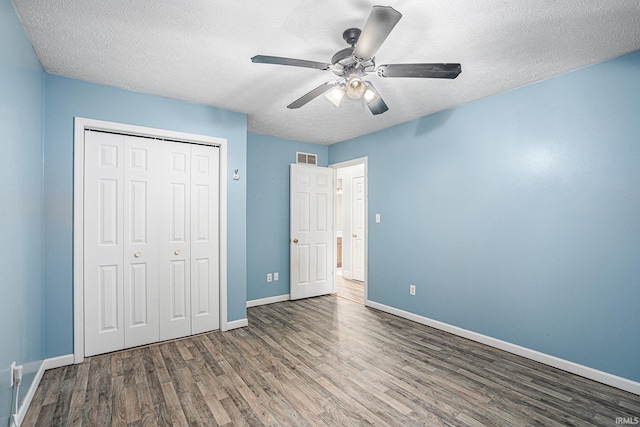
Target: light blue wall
21, 115
518, 216
66, 98
268, 160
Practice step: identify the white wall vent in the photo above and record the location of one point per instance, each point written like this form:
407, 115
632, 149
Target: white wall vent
306, 158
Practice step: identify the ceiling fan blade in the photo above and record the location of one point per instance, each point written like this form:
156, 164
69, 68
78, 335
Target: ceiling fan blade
381, 21
377, 105
264, 59
322, 89
434, 71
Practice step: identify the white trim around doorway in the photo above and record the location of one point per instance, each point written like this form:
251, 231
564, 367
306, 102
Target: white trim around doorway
80, 125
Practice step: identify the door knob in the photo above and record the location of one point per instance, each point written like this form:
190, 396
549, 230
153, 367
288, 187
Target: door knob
295, 240
137, 254
354, 235
177, 252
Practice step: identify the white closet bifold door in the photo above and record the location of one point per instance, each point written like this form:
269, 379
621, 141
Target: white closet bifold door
205, 274
151, 240
103, 243
141, 169
175, 241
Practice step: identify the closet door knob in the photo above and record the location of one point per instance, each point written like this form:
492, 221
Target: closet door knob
137, 254
177, 252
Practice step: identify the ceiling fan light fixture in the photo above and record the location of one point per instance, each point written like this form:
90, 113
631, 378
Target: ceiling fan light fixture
356, 87
335, 95
370, 95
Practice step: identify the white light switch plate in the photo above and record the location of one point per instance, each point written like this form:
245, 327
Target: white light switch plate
378, 218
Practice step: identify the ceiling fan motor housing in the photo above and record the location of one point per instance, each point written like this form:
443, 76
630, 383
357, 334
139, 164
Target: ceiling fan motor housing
351, 36
345, 63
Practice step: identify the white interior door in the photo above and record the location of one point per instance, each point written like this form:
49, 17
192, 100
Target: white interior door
357, 228
311, 237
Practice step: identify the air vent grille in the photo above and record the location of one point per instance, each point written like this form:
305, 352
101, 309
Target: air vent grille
306, 158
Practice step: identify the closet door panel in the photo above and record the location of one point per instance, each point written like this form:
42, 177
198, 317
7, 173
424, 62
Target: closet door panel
141, 189
103, 243
175, 235
205, 274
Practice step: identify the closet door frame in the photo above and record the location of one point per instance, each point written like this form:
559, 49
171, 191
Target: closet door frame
80, 125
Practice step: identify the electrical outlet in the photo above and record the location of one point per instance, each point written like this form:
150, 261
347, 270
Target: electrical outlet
412, 289
275, 276
17, 374
269, 277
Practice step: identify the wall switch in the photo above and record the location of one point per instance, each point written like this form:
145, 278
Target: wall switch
269, 277
412, 289
378, 218
275, 276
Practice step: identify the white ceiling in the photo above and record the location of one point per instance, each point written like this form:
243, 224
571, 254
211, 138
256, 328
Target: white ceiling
200, 50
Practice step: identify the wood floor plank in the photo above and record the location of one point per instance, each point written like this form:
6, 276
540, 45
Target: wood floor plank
64, 398
173, 405
106, 394
147, 409
237, 418
322, 361
216, 408
53, 387
350, 289
45, 415
191, 397
152, 380
74, 418
119, 402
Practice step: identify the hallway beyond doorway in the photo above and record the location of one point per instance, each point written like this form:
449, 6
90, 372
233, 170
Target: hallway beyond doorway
352, 290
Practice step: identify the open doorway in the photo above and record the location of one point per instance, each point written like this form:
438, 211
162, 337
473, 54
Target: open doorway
351, 229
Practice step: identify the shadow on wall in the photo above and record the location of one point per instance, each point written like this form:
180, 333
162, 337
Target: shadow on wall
427, 124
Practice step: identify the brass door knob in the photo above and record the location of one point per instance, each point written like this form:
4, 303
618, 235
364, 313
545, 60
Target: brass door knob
295, 240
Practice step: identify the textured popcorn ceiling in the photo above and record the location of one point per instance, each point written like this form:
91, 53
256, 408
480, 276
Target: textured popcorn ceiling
200, 50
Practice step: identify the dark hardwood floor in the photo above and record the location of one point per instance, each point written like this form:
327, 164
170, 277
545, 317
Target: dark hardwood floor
350, 289
322, 361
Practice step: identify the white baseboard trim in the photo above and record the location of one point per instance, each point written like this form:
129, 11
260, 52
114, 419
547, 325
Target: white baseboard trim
54, 362
235, 324
269, 300
556, 362
24, 407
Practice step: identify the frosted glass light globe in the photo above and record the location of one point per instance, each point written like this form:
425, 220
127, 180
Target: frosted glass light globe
356, 87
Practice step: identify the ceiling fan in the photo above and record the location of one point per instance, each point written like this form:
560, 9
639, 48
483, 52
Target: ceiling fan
353, 63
